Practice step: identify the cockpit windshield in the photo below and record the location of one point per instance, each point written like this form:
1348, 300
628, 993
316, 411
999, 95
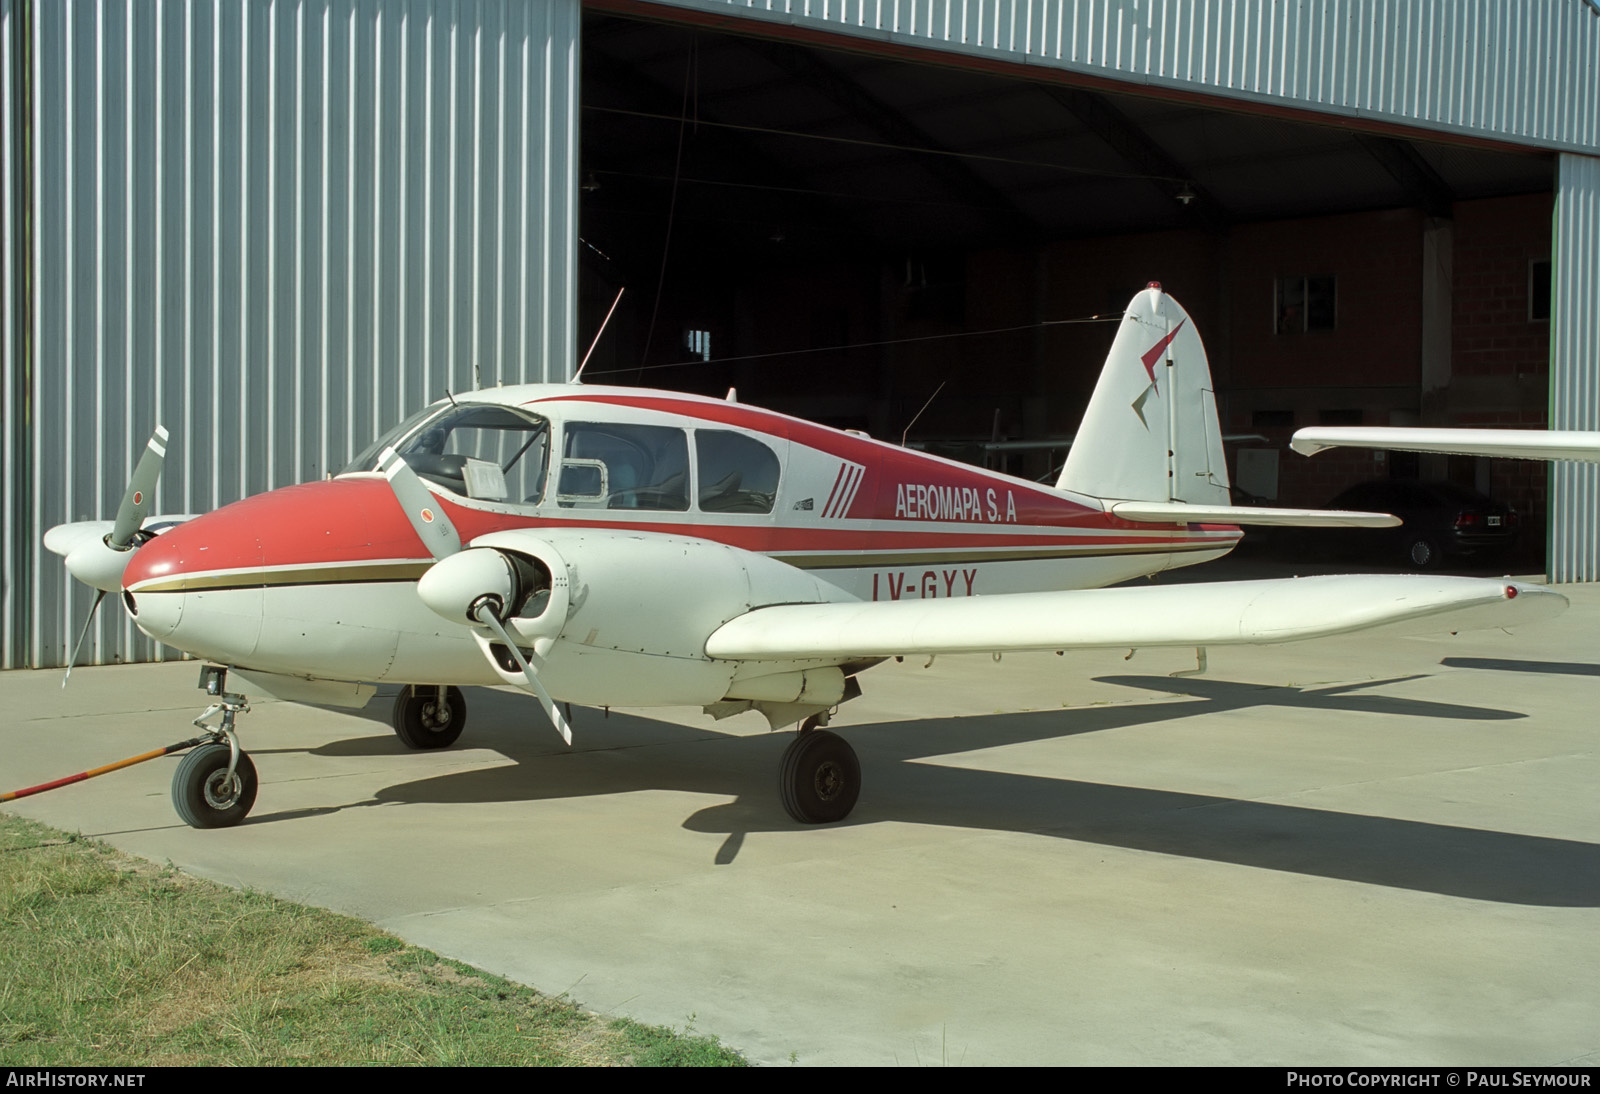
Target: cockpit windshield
477, 449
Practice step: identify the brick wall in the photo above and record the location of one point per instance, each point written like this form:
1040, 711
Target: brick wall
1500, 357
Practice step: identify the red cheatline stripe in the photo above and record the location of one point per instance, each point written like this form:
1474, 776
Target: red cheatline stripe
827, 510
855, 488
844, 495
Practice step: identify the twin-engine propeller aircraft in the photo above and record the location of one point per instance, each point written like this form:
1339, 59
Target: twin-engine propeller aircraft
622, 547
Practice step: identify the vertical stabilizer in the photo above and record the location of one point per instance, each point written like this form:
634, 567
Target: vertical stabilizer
1151, 432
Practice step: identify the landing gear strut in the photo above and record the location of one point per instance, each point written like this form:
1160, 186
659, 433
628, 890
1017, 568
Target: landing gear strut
819, 778
215, 784
429, 716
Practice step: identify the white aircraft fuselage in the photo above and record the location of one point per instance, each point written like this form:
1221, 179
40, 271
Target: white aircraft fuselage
318, 580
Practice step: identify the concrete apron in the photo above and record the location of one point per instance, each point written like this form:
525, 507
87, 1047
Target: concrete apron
1358, 851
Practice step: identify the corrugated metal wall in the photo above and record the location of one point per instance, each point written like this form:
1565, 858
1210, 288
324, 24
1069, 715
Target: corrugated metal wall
1524, 71
1575, 367
14, 549
274, 227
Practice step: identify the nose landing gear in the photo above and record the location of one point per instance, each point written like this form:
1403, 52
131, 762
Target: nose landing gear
215, 784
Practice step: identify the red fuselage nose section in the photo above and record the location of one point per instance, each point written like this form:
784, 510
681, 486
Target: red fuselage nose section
337, 526
318, 524
316, 579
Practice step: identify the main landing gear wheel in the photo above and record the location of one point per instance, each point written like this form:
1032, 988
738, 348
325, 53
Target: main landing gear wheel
421, 721
203, 793
819, 778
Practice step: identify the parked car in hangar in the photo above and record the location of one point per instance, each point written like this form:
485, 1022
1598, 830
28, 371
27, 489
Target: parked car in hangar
1439, 521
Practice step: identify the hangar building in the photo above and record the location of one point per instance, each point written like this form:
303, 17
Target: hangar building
278, 227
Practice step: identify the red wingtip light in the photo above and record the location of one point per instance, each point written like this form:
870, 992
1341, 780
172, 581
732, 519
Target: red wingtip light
1511, 592
1156, 285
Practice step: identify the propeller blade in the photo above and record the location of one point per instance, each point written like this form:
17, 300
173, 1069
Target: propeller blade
136, 502
99, 595
562, 725
427, 516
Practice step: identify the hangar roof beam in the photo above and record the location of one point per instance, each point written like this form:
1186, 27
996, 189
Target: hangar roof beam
1122, 136
1423, 186
894, 128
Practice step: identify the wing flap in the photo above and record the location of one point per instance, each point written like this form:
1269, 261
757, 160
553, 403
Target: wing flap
1177, 512
1213, 614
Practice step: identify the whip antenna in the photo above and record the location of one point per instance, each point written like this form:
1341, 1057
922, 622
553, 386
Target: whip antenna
925, 406
598, 333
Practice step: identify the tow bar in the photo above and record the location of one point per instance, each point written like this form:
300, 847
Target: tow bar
215, 785
94, 771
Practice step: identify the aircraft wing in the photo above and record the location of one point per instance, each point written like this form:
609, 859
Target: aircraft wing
1207, 614
1179, 512
1527, 444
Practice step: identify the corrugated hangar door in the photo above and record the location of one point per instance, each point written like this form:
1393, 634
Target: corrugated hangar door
274, 228
1575, 367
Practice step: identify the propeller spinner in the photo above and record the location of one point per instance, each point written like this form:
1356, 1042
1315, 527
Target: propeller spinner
96, 554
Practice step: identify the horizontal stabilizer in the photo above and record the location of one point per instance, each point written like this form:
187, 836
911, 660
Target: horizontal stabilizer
1218, 614
1525, 444
1171, 512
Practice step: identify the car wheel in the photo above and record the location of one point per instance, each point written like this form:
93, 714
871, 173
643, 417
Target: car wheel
1422, 553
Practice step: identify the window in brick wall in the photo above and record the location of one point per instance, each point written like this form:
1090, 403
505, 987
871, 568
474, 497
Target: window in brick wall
1539, 290
1302, 304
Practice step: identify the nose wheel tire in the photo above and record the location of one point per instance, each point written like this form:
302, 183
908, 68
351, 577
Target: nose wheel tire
421, 721
819, 778
203, 793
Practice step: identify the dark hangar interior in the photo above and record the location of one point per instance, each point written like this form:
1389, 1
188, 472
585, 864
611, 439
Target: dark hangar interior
918, 249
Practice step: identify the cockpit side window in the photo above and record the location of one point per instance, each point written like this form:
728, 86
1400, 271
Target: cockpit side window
367, 458
738, 474
619, 466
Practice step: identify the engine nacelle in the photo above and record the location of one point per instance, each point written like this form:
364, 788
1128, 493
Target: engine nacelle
642, 592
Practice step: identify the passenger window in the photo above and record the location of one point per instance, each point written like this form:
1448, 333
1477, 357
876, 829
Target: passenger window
624, 467
738, 474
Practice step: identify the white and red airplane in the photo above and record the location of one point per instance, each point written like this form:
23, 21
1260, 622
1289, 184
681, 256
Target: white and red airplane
622, 547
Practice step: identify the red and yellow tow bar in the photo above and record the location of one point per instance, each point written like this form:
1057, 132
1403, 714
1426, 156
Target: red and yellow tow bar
94, 771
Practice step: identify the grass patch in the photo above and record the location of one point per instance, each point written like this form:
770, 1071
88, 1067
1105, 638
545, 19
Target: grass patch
107, 960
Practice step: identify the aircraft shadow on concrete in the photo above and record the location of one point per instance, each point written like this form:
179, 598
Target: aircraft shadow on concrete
624, 753
1506, 664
